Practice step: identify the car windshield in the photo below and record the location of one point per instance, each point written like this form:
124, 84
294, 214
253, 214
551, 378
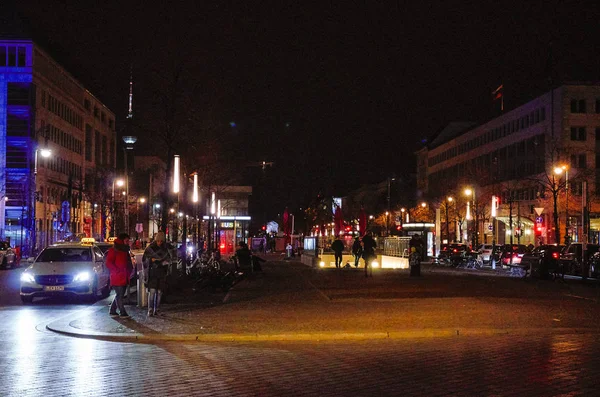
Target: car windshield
65, 255
4, 245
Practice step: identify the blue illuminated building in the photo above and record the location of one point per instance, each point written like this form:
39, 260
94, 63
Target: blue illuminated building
51, 124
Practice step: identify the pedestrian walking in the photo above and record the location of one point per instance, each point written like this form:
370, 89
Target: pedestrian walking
357, 251
118, 262
338, 248
368, 244
156, 259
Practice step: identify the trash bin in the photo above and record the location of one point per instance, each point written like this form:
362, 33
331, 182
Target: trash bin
142, 294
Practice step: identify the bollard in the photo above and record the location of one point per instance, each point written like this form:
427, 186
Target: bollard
142, 293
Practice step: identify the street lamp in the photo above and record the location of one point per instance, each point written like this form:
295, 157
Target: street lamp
558, 171
45, 152
475, 236
120, 183
448, 201
387, 222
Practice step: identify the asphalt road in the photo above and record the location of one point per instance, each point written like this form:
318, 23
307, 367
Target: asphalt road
35, 362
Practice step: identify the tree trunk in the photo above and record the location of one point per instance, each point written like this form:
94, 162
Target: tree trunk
555, 216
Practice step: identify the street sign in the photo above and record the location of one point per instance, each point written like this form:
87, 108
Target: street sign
139, 227
539, 219
539, 210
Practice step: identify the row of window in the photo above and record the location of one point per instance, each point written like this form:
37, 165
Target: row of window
63, 166
13, 55
507, 163
63, 138
525, 194
536, 116
579, 106
580, 134
62, 110
87, 104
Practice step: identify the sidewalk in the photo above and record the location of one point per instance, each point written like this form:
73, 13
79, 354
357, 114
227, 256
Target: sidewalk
289, 301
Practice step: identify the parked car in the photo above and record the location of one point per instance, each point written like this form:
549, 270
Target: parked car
455, 253
66, 269
544, 260
574, 258
485, 250
514, 251
7, 255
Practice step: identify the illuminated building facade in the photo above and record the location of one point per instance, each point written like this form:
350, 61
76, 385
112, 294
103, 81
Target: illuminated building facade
44, 111
513, 156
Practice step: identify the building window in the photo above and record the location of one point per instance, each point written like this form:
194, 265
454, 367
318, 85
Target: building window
97, 148
578, 134
87, 104
582, 161
102, 117
12, 56
577, 105
597, 105
104, 151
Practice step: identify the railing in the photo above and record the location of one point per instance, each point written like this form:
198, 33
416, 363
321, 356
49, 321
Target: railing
396, 246
391, 246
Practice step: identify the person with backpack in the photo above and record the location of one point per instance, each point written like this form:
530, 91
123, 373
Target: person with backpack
120, 266
357, 251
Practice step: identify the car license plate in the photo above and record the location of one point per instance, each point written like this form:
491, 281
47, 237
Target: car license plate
55, 288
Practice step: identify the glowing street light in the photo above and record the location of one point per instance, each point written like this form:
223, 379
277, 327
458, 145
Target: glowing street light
176, 174
558, 171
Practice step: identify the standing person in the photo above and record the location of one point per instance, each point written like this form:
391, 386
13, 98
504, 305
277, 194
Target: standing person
357, 251
243, 256
338, 247
118, 262
368, 254
156, 260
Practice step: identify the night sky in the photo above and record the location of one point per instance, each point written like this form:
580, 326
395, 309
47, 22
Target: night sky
337, 96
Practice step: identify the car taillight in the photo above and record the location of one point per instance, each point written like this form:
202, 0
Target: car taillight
455, 250
555, 255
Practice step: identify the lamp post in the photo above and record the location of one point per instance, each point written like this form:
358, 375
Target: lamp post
474, 237
45, 153
448, 201
141, 200
558, 171
120, 183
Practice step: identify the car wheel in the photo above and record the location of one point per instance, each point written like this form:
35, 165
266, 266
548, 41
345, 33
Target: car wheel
26, 299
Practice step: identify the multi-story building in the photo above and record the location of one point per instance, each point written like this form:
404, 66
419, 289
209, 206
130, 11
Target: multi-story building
515, 157
55, 137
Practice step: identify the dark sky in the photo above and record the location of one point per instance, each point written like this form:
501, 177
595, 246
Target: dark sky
360, 86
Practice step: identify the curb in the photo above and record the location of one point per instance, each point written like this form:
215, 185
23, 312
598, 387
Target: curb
423, 333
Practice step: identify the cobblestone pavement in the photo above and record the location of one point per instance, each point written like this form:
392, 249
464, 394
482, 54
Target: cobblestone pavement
559, 365
290, 301
515, 338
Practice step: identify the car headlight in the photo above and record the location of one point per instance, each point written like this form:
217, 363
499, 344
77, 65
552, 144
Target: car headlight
27, 277
83, 276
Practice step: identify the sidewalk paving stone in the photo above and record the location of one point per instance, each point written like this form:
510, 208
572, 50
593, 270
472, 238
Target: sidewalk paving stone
289, 301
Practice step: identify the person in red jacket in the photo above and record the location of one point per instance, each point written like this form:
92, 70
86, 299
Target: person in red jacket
118, 262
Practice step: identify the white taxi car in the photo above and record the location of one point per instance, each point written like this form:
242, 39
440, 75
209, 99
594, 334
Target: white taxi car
66, 269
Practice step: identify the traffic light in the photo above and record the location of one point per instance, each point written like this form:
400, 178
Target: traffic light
264, 228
